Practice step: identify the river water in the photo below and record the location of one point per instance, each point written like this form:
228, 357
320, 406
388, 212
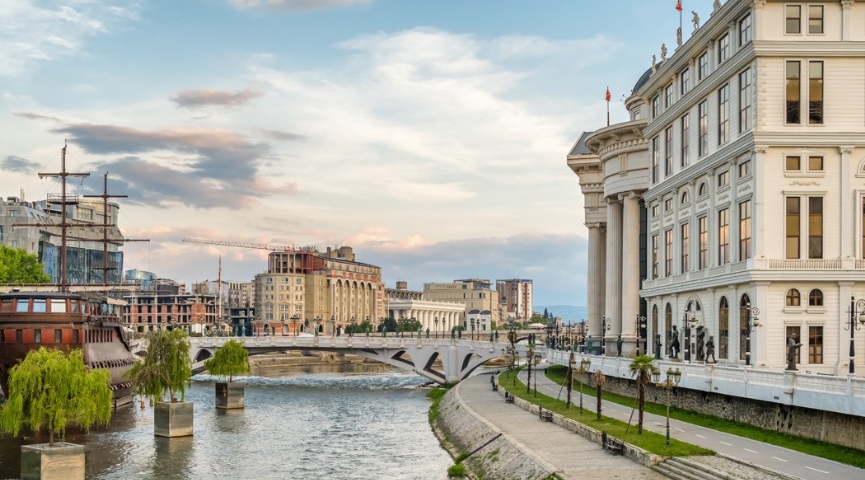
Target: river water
340, 422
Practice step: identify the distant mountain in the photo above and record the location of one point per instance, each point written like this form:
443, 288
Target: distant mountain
573, 313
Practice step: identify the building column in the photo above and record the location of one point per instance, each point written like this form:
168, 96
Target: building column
595, 299
630, 271
613, 300
847, 237
846, 5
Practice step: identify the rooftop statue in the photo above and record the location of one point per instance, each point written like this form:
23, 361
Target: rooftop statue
695, 20
663, 52
716, 6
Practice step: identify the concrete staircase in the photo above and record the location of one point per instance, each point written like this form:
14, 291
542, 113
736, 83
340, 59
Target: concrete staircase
679, 468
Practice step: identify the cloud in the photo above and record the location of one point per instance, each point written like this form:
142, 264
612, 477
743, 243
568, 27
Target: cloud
19, 165
280, 135
35, 116
36, 31
205, 168
206, 96
296, 5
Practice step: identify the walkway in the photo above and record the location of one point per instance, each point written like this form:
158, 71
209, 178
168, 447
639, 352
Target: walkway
789, 462
572, 456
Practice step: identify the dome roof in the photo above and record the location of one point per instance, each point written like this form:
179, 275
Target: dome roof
643, 79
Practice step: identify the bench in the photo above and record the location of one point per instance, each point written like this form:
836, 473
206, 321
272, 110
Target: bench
546, 415
509, 398
614, 446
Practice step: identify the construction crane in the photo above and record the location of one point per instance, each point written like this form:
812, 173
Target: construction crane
260, 246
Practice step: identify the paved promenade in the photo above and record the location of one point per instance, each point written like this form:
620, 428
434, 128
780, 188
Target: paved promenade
789, 462
570, 455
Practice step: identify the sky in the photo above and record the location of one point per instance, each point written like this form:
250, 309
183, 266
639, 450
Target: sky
430, 136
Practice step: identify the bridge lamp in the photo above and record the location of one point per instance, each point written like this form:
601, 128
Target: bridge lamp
436, 321
673, 378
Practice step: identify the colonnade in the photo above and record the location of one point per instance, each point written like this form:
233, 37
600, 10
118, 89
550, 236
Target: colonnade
435, 316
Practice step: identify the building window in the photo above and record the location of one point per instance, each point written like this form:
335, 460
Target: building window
793, 298
815, 19
793, 93
702, 190
794, 19
686, 139
744, 34
668, 205
656, 106
815, 227
724, 114
724, 236
685, 81
792, 233
724, 178
723, 49
723, 327
669, 96
656, 155
704, 66
703, 111
792, 163
685, 198
704, 242
744, 230
656, 211
686, 247
668, 253
745, 101
654, 256
815, 298
744, 168
668, 152
815, 164
815, 344
815, 93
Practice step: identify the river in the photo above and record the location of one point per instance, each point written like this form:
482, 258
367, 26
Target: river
340, 422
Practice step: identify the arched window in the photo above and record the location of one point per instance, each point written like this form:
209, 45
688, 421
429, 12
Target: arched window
723, 328
685, 198
668, 325
793, 298
744, 317
703, 190
654, 326
815, 298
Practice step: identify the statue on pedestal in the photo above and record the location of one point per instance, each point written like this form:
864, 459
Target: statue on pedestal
792, 351
695, 20
654, 66
658, 346
710, 350
663, 52
589, 345
619, 342
674, 343
701, 334
716, 6
679, 37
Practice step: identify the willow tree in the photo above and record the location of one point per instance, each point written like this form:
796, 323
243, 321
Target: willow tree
600, 380
166, 366
642, 367
52, 389
230, 360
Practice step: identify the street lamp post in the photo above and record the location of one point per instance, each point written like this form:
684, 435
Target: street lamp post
641, 327
857, 309
673, 378
751, 323
436, 321
472, 321
537, 361
529, 355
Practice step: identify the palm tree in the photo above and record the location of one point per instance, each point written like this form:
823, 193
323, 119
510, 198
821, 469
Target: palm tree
641, 367
600, 380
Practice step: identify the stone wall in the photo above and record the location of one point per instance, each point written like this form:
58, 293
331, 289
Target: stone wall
501, 459
830, 427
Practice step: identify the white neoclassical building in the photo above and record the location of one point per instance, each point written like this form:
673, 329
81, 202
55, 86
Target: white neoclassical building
743, 209
437, 316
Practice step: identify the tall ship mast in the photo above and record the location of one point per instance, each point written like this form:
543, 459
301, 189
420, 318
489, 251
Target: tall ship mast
68, 319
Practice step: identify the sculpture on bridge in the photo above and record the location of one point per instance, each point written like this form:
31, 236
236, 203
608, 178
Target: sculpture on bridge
701, 334
710, 350
427, 332
497, 335
453, 332
792, 351
619, 342
674, 343
367, 331
658, 346
589, 345
459, 333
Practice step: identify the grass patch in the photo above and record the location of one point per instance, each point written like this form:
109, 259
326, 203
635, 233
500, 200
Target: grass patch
458, 470
435, 395
845, 455
649, 441
462, 456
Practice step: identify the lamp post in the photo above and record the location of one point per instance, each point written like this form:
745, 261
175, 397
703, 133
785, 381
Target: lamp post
472, 321
537, 361
672, 380
436, 322
641, 327
856, 310
751, 323
529, 355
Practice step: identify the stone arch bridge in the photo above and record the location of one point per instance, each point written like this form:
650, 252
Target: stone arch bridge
459, 358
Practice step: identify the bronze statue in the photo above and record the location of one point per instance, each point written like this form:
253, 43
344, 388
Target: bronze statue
619, 342
589, 345
658, 346
792, 351
674, 343
710, 349
701, 334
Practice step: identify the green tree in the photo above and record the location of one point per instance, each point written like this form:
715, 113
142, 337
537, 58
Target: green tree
166, 366
600, 380
18, 266
641, 367
230, 360
52, 389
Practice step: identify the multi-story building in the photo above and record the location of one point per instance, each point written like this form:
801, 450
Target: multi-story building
151, 311
753, 185
515, 298
306, 289
35, 227
434, 315
473, 294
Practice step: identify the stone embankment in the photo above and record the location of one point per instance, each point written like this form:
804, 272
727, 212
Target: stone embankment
497, 456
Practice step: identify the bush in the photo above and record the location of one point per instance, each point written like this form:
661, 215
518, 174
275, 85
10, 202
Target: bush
458, 470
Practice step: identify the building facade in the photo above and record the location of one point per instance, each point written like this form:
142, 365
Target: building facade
515, 298
146, 312
473, 294
436, 316
755, 192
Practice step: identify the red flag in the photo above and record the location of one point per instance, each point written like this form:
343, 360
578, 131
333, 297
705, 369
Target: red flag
679, 5
608, 94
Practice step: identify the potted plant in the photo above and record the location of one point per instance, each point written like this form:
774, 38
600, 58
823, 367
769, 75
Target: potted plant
230, 360
166, 368
51, 389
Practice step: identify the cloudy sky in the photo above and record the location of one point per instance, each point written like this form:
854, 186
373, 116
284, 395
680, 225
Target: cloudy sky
431, 136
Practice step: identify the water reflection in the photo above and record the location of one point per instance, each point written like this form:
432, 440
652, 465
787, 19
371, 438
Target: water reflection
339, 421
